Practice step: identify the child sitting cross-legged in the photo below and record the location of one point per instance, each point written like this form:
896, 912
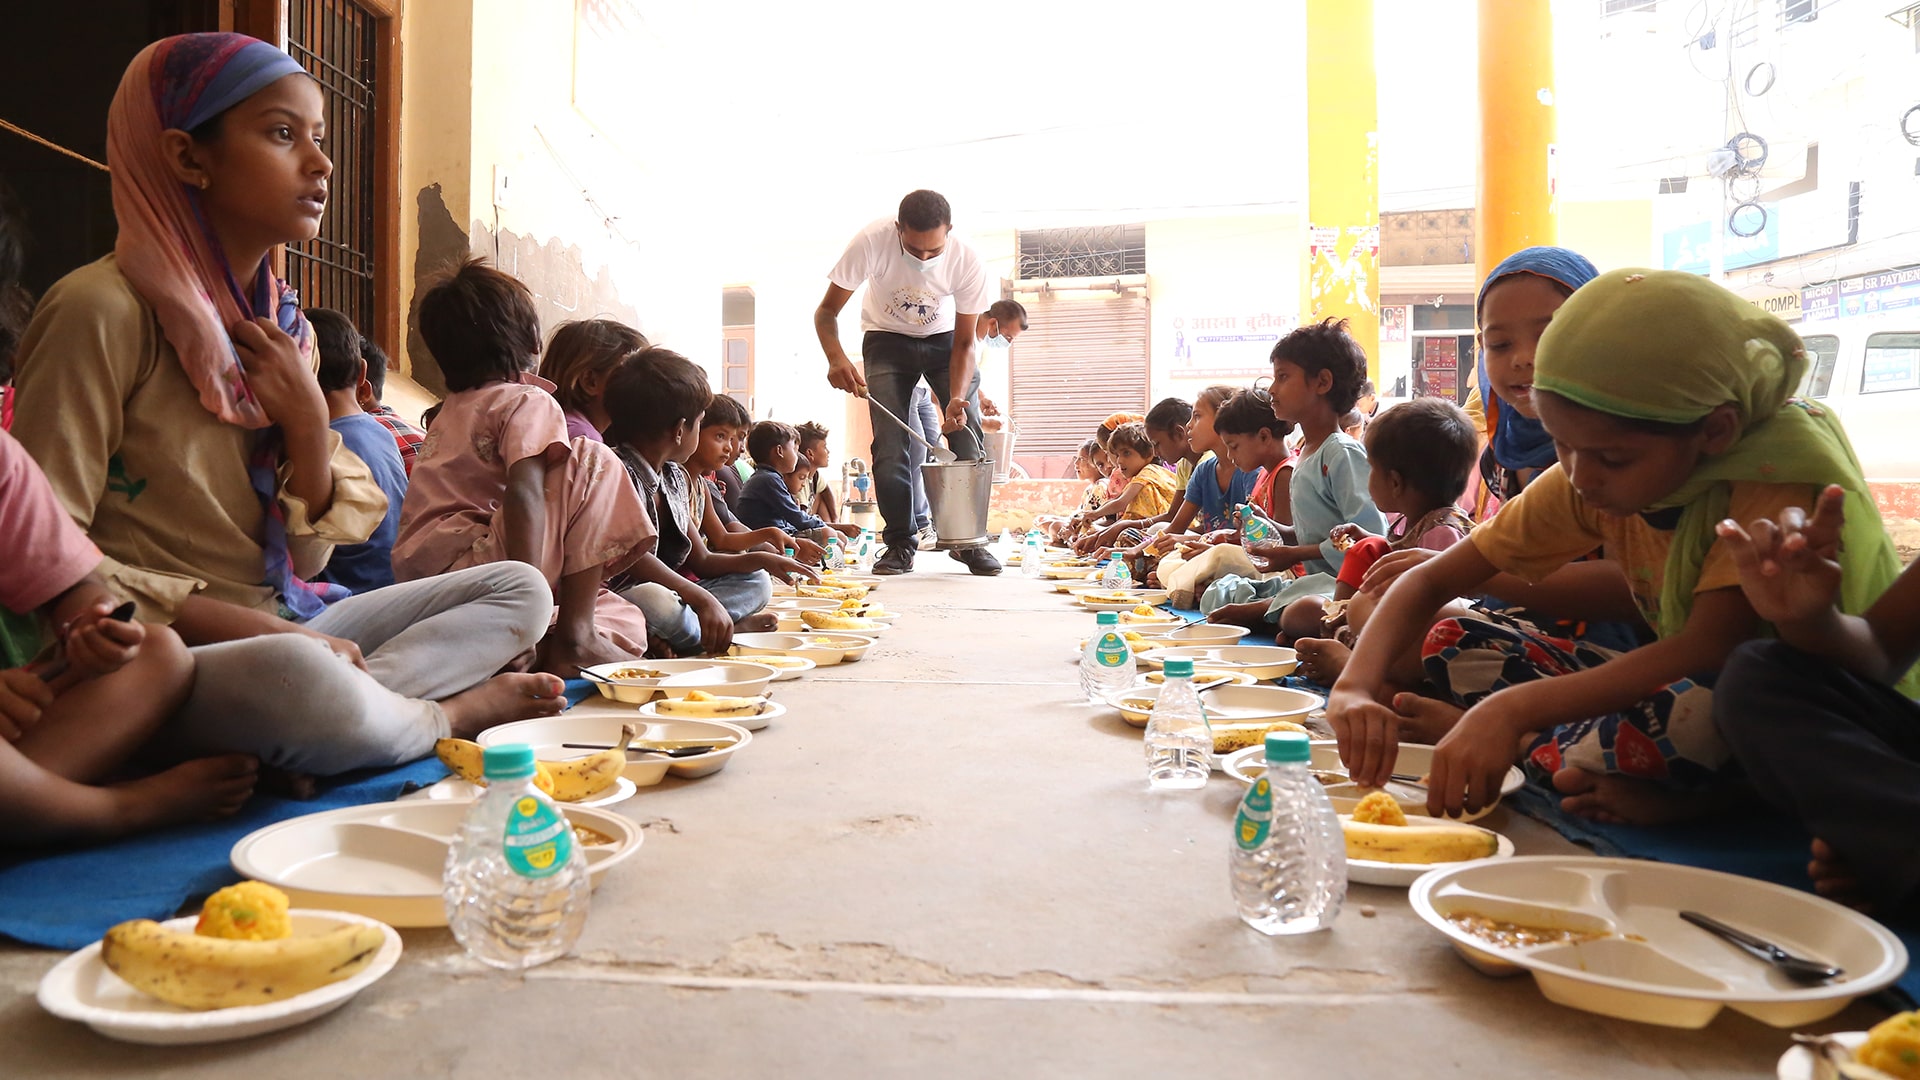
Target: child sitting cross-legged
723, 431
69, 724
1823, 720
1670, 401
499, 478
1421, 456
1089, 464
1149, 490
1167, 426
775, 449
654, 403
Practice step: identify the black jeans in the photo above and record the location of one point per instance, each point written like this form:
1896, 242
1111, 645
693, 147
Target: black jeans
894, 363
1840, 753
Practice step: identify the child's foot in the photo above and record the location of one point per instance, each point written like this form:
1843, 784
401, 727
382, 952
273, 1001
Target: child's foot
503, 699
1253, 616
203, 789
1834, 879
566, 658
1322, 659
761, 623
1623, 800
288, 785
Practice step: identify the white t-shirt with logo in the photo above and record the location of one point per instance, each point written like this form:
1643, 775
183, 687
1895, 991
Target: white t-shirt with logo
901, 298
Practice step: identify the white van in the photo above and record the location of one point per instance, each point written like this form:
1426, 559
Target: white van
1868, 371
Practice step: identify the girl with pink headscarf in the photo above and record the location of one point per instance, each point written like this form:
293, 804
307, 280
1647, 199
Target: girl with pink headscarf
168, 392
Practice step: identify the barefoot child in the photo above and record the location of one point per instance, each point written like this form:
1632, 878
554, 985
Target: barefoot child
1670, 401
579, 359
1214, 491
499, 478
167, 391
1089, 464
723, 431
1824, 720
655, 402
63, 733
1149, 490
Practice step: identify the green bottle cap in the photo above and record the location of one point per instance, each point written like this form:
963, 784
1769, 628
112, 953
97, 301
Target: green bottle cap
1286, 747
790, 553
1108, 618
1178, 669
512, 761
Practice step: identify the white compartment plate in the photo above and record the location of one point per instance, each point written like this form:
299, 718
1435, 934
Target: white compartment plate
385, 860
1653, 967
769, 712
546, 735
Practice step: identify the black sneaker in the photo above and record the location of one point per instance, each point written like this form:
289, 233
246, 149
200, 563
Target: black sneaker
979, 561
894, 560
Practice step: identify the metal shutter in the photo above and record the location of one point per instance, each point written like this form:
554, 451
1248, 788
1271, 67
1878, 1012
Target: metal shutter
1080, 361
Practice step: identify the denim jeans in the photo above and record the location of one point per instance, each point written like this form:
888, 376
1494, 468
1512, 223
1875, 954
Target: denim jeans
894, 363
674, 622
922, 416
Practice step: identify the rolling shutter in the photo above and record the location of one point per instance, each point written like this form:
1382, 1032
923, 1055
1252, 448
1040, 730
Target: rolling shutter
1079, 361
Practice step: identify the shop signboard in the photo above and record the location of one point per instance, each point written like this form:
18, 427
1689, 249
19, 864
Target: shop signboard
1227, 347
1868, 294
1690, 247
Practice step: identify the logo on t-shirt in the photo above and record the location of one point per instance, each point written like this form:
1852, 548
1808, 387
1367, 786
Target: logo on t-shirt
914, 306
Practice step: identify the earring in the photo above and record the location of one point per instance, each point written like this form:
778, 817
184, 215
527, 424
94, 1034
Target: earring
205, 183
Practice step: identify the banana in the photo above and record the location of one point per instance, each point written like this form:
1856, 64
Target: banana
1417, 843
820, 620
197, 972
593, 775
701, 703
466, 760
833, 592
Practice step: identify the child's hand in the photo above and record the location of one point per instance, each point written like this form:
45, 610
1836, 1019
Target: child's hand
785, 569
22, 696
849, 530
807, 551
1348, 533
341, 647
1471, 761
1368, 733
96, 644
284, 384
1388, 568
1789, 571
1223, 536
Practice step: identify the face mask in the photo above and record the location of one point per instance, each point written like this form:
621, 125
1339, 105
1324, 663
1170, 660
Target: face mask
928, 266
998, 341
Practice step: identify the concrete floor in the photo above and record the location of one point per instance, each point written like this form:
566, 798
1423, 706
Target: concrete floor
938, 864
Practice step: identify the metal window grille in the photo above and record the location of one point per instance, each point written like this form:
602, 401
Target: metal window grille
334, 41
1096, 251
1798, 11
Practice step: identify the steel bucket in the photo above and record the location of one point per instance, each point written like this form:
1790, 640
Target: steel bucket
959, 495
1000, 451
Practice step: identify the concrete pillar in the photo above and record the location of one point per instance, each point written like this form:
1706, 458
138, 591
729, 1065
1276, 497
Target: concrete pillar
1518, 206
1343, 176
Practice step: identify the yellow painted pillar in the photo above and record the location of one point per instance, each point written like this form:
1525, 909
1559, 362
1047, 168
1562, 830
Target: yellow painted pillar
1518, 206
1343, 175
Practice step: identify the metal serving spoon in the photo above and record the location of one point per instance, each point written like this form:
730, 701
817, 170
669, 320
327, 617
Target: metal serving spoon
940, 453
1797, 968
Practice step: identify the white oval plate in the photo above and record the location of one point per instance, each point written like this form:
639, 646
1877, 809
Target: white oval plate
1400, 875
466, 791
81, 988
1798, 1062
547, 733
795, 667
1653, 967
640, 691
769, 712
1259, 661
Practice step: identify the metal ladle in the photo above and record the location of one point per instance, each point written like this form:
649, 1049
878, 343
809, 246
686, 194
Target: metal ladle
941, 454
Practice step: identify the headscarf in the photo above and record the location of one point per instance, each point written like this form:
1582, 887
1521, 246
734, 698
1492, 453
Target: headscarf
1519, 442
169, 253
1671, 347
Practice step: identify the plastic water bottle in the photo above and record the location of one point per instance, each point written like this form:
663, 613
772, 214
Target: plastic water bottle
863, 559
1030, 555
1289, 857
835, 558
1255, 526
1116, 575
1003, 547
1179, 739
1106, 665
516, 885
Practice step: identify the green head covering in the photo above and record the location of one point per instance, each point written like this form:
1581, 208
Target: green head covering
1671, 347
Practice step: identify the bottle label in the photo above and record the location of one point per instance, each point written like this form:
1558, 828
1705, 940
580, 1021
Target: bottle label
1112, 650
1250, 825
539, 840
